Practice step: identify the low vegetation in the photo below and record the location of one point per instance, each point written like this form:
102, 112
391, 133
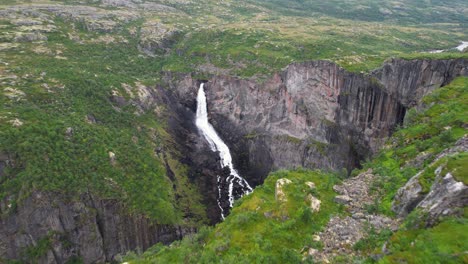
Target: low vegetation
260, 229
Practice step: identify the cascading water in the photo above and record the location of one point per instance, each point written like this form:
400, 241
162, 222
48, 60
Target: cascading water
234, 180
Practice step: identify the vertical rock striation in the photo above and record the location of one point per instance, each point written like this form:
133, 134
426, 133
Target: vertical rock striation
91, 229
316, 114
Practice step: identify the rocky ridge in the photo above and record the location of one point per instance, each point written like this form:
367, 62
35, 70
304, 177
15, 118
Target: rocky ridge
97, 230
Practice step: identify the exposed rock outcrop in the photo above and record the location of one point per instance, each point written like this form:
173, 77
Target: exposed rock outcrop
156, 38
279, 191
444, 198
342, 232
314, 203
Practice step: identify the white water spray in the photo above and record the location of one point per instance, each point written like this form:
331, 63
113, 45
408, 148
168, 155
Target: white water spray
217, 144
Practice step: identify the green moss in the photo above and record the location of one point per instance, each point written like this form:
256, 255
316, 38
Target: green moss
42, 246
251, 135
291, 139
318, 146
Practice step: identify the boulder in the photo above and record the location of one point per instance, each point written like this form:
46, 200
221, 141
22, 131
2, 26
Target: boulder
446, 193
311, 185
314, 203
446, 196
280, 196
408, 197
343, 199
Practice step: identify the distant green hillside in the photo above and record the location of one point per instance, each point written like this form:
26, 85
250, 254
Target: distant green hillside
400, 12
253, 38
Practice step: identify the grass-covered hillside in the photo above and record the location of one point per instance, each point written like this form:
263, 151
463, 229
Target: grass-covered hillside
265, 229
248, 38
63, 132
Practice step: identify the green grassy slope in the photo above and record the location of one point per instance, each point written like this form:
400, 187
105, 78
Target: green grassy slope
65, 91
429, 132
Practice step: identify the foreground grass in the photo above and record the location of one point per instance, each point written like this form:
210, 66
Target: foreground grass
443, 243
259, 229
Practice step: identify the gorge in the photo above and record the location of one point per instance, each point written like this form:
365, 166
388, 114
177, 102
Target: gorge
312, 115
131, 131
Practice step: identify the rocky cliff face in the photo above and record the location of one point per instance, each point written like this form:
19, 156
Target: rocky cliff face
446, 197
53, 229
316, 114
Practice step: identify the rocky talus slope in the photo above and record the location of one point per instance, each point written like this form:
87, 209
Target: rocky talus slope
342, 232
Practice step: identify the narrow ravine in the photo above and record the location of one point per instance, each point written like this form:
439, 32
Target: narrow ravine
234, 180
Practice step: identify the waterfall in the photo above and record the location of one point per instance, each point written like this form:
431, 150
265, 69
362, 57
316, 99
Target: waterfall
217, 144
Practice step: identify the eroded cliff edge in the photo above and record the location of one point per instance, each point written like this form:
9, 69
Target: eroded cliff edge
316, 114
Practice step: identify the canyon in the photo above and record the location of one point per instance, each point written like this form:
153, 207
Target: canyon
313, 115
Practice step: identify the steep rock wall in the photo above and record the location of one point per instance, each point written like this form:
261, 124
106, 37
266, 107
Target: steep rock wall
94, 229
316, 114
